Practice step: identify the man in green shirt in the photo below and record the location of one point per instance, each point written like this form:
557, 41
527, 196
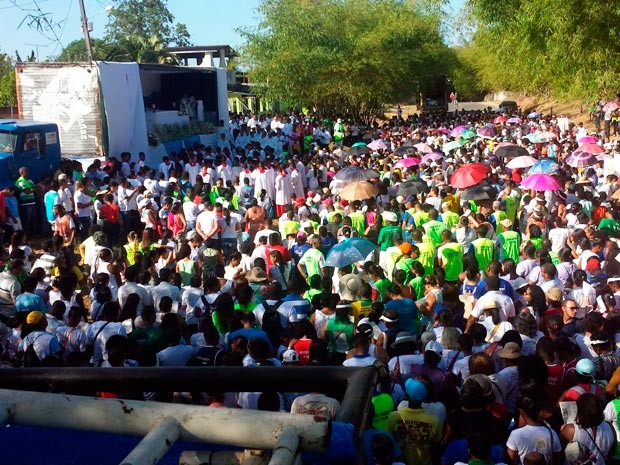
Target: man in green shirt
434, 228
448, 217
313, 261
483, 248
386, 234
425, 251
497, 217
509, 242
25, 194
450, 256
610, 224
358, 221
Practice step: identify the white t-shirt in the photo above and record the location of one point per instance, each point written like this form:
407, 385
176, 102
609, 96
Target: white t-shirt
363, 361
558, 237
534, 439
207, 221
81, 197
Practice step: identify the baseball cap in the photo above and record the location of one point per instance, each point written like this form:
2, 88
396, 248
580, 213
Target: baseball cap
34, 317
365, 329
405, 247
585, 367
290, 356
416, 391
389, 316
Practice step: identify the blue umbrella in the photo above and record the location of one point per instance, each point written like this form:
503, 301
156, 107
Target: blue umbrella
349, 251
544, 166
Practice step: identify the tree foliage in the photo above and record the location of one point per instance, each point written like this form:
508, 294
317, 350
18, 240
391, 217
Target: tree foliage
141, 30
7, 82
345, 56
76, 51
567, 48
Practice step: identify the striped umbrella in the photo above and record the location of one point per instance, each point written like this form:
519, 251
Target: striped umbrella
580, 159
590, 148
458, 130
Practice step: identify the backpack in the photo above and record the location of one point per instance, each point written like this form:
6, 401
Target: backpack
30, 358
271, 322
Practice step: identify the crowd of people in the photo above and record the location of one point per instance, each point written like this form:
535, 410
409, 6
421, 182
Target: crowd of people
498, 317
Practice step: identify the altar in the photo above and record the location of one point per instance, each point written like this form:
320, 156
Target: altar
161, 117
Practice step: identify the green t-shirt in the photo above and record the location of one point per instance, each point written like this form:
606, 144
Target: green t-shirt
420, 218
450, 219
434, 229
483, 250
536, 242
511, 208
510, 242
452, 258
417, 284
382, 286
313, 260
245, 307
358, 222
386, 236
427, 257
610, 225
339, 335
498, 217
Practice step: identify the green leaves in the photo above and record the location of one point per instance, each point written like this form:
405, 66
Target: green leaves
568, 48
344, 55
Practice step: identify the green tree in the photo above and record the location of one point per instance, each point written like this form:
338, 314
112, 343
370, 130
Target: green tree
345, 56
8, 96
566, 48
76, 51
139, 29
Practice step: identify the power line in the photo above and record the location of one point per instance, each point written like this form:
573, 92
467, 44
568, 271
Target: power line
64, 26
37, 19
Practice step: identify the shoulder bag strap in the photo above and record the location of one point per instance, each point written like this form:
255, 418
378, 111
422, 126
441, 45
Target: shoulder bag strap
101, 329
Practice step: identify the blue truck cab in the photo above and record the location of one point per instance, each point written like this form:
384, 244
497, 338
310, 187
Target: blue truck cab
32, 144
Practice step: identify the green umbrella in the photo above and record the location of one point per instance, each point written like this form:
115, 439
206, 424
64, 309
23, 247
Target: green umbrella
468, 134
359, 144
453, 145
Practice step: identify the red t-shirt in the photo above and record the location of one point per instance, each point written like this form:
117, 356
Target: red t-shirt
302, 347
110, 212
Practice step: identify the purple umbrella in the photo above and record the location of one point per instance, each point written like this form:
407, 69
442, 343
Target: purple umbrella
581, 159
430, 157
541, 182
514, 120
587, 140
487, 132
458, 130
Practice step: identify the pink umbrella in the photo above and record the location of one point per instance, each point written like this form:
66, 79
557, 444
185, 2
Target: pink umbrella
458, 130
424, 148
429, 157
523, 161
377, 145
590, 148
541, 182
406, 163
443, 131
587, 140
500, 120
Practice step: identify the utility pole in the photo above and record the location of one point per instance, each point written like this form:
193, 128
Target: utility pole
89, 48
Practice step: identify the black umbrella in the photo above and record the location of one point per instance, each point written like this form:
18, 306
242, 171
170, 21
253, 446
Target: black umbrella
357, 151
354, 174
482, 191
412, 188
405, 150
508, 150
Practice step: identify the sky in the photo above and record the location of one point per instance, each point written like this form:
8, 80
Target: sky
209, 22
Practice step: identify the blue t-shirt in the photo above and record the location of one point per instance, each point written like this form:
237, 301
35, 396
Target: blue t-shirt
249, 334
50, 200
504, 287
407, 313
